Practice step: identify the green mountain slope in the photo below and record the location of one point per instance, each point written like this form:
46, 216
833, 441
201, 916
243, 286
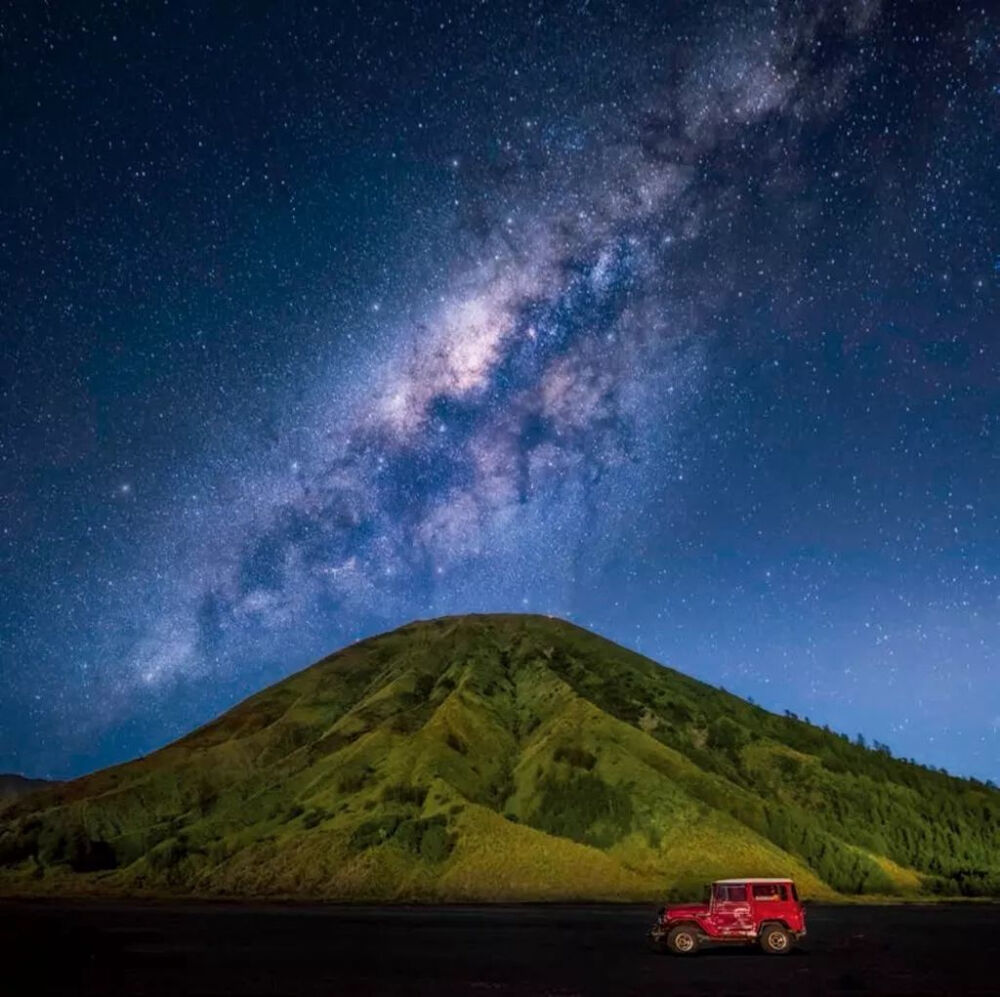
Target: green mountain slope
501, 757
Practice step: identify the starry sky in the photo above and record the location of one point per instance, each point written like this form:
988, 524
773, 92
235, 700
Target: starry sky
676, 320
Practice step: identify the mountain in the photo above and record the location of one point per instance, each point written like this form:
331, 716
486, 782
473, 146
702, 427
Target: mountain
12, 785
502, 757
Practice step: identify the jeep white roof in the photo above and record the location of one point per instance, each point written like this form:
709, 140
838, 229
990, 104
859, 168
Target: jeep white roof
754, 879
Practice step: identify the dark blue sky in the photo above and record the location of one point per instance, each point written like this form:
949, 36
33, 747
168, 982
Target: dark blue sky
680, 322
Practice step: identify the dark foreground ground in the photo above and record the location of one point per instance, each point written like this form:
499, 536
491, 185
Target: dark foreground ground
104, 948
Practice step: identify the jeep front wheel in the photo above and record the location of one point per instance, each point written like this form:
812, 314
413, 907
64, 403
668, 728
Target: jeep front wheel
683, 940
774, 940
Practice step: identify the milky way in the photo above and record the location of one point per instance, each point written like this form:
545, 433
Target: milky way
681, 329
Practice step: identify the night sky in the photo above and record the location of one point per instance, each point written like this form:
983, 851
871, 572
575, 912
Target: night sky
676, 320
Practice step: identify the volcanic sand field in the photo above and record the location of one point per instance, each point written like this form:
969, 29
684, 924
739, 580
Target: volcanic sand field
52, 947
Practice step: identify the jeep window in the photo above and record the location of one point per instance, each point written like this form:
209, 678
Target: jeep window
769, 891
729, 893
795, 893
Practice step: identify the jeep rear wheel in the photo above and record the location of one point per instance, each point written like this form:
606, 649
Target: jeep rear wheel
774, 940
683, 940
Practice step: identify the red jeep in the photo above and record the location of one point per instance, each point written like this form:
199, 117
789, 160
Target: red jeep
740, 911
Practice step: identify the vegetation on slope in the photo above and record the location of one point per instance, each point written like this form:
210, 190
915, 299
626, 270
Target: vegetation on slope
502, 757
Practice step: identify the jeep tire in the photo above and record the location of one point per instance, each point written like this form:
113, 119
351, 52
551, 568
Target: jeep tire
683, 940
775, 940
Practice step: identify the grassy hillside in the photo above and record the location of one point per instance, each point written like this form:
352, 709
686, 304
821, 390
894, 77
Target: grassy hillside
502, 757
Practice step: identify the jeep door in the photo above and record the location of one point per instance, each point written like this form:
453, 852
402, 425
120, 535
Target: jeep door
731, 913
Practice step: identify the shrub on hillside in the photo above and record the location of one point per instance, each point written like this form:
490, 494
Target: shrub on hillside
90, 854
409, 721
407, 835
578, 757
18, 843
584, 808
167, 855
407, 795
352, 782
373, 832
69, 844
436, 843
314, 817
456, 743
426, 837
444, 686
726, 735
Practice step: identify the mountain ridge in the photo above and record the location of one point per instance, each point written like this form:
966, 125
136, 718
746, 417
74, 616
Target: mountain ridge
13, 785
501, 756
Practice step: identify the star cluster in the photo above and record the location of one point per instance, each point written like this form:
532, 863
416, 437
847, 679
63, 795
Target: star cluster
677, 322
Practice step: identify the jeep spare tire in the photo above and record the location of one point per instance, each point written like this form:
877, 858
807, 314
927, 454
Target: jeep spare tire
774, 940
683, 940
